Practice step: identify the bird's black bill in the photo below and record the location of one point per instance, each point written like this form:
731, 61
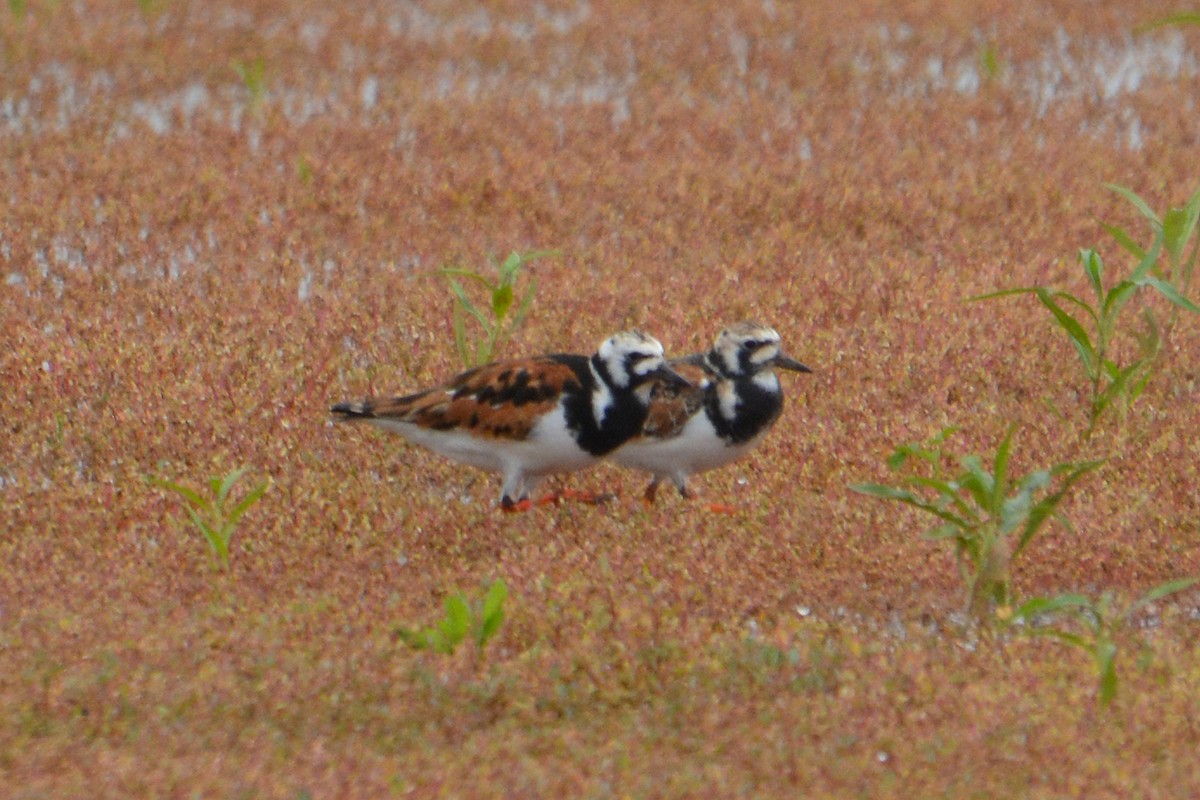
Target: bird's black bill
787, 362
670, 377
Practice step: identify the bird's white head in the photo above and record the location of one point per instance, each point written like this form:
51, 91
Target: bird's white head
748, 348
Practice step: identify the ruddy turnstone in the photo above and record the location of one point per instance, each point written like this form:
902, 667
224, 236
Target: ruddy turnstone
528, 418
733, 399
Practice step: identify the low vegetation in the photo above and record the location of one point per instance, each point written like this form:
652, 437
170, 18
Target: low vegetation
222, 218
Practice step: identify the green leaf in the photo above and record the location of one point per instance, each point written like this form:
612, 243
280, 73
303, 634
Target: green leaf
949, 495
226, 485
1149, 263
1163, 590
493, 601
1137, 202
1079, 337
1171, 293
416, 639
1182, 18
455, 626
467, 305
1034, 481
523, 308
469, 275
978, 482
1177, 229
1050, 605
1118, 386
502, 300
1117, 297
1006, 293
1105, 655
492, 614
1125, 240
946, 531
1093, 267
1014, 511
510, 268
460, 338
250, 499
187, 493
1045, 508
1000, 468
893, 493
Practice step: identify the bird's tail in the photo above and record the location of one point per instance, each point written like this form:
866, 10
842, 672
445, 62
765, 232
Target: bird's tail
349, 412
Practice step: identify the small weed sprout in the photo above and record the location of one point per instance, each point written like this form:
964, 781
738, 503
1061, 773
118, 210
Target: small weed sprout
989, 61
213, 515
1175, 232
1172, 20
1094, 328
480, 620
151, 8
989, 516
1100, 620
503, 321
254, 77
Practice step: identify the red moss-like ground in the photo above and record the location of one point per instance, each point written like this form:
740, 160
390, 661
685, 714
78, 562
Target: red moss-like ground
194, 268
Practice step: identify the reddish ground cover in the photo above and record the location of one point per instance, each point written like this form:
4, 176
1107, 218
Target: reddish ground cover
219, 218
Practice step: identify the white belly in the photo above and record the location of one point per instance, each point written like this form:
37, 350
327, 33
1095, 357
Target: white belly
697, 448
548, 449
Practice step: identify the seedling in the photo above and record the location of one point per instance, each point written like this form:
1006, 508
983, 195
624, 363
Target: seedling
503, 321
1108, 379
989, 517
1175, 230
254, 78
1177, 20
213, 515
1100, 620
481, 621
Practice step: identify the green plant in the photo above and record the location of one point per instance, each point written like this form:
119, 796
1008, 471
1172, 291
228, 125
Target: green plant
1100, 620
1176, 20
213, 515
480, 620
989, 61
502, 295
254, 78
1175, 231
1108, 379
151, 8
18, 8
989, 516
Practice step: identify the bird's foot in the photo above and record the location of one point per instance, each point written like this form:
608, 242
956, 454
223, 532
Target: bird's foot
509, 506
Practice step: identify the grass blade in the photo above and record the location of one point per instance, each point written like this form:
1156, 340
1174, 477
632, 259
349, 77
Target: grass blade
250, 499
1171, 293
1161, 591
1182, 18
186, 492
526, 302
1079, 337
460, 338
1045, 508
1126, 241
226, 485
1093, 267
1137, 202
1000, 468
1105, 655
453, 272
466, 303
